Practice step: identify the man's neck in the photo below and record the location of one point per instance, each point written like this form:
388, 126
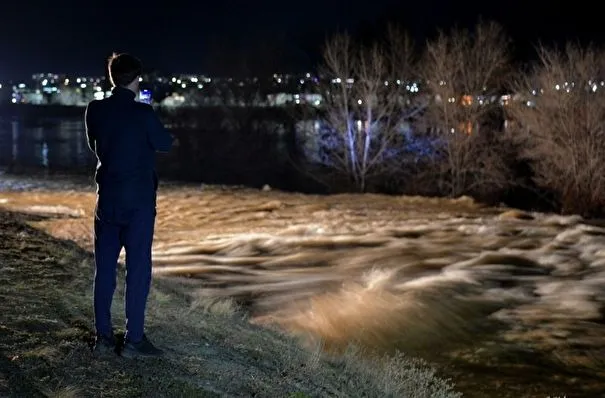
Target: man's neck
124, 91
131, 87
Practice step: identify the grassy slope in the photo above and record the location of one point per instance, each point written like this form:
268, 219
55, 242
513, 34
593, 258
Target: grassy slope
45, 328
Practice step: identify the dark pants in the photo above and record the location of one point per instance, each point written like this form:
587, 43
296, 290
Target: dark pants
133, 230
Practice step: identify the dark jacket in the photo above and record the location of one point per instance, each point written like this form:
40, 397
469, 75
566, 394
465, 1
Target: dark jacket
124, 135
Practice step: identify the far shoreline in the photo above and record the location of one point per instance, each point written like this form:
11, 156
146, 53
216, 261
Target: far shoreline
40, 111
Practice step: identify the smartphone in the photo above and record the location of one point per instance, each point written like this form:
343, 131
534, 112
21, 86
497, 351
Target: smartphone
145, 96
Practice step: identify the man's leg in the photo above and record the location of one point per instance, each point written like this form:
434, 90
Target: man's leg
107, 250
137, 239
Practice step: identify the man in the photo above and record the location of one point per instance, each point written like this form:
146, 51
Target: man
124, 135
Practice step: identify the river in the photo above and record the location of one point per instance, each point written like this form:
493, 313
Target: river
34, 141
57, 144
508, 304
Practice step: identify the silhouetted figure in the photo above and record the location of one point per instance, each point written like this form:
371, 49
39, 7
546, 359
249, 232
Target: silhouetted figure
124, 135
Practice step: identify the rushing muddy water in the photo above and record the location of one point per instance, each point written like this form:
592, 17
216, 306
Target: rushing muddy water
506, 303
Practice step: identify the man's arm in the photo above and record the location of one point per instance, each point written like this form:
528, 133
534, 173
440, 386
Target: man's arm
159, 138
90, 137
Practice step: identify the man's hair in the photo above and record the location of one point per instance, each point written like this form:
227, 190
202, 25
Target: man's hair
123, 69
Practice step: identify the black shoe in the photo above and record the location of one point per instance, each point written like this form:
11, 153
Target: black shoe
104, 345
143, 348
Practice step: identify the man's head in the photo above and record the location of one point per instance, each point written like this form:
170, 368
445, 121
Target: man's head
124, 71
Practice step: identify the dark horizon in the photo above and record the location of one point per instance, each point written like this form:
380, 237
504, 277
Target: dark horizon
36, 36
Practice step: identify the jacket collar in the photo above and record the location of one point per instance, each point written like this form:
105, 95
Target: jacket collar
123, 92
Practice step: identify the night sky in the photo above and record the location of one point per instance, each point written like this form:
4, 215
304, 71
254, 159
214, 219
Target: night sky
215, 36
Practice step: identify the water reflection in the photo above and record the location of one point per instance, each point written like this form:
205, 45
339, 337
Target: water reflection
53, 144
15, 137
214, 154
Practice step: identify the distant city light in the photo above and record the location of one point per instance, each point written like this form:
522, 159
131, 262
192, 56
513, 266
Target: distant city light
47, 88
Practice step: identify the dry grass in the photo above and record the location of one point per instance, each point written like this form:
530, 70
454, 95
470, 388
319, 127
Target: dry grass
65, 392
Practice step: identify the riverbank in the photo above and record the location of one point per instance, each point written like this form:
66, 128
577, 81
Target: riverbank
212, 350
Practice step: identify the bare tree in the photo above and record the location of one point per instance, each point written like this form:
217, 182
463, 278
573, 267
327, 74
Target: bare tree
561, 125
463, 72
364, 107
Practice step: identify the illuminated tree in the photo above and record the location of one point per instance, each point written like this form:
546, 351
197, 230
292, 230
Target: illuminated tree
366, 106
463, 72
560, 123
